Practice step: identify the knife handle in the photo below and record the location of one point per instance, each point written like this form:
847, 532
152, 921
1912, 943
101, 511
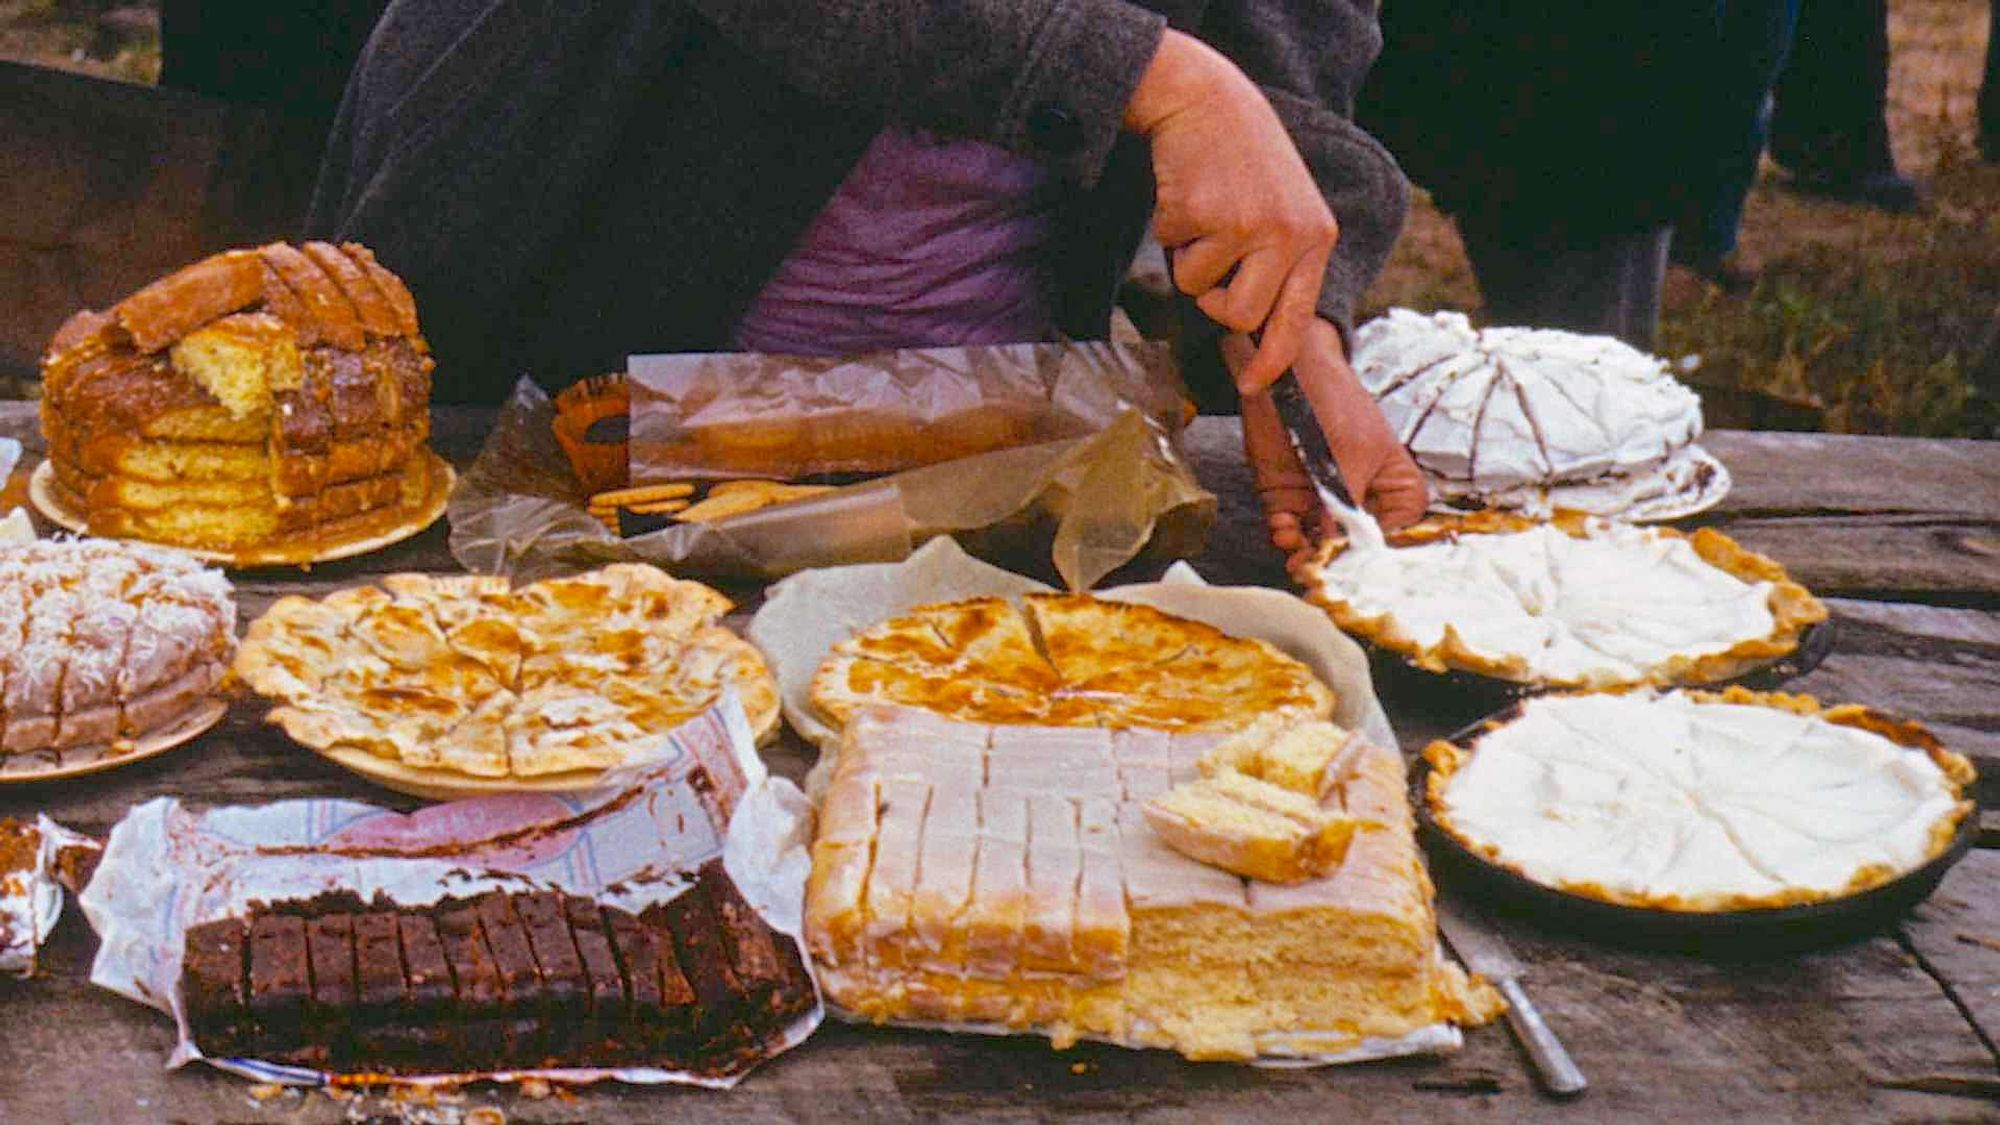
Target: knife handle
1556, 1071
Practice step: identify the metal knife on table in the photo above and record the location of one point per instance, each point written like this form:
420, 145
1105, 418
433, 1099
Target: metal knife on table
1486, 953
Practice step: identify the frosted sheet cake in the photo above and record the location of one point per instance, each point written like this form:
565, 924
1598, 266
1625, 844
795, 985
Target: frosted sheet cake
1004, 877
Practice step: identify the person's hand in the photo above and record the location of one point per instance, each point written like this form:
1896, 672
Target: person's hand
1248, 230
1377, 469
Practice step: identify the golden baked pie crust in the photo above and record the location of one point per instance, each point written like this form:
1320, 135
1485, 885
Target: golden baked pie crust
1446, 759
1065, 660
1793, 608
566, 674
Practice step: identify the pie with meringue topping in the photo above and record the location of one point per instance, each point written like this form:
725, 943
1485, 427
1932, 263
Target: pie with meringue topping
1695, 801
1573, 603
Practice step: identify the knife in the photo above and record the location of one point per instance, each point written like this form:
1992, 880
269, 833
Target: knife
1485, 953
1308, 438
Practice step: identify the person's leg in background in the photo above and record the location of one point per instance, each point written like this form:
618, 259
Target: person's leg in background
1830, 127
1753, 37
1605, 284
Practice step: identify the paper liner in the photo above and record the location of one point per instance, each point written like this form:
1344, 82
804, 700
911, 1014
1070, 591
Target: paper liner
167, 868
804, 616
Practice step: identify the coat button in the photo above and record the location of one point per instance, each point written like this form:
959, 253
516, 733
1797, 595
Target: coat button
1054, 129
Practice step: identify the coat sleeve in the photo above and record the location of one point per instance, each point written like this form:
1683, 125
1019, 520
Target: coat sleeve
1048, 77
1310, 57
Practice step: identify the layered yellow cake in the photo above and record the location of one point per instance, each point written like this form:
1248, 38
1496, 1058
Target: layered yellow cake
276, 396
1006, 877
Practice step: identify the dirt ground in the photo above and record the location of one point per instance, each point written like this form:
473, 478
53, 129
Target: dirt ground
1864, 322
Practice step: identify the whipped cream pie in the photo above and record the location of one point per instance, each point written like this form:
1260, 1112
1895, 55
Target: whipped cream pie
1570, 604
1700, 802
1536, 419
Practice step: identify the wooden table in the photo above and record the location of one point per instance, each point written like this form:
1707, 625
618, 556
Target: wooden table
1902, 536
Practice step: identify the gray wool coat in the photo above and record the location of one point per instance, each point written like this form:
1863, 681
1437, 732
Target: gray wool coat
565, 182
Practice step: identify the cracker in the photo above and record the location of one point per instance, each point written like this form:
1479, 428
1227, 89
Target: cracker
642, 494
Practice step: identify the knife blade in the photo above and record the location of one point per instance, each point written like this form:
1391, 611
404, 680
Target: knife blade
1486, 953
1308, 438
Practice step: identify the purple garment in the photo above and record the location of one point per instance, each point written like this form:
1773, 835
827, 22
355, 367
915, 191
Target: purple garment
926, 243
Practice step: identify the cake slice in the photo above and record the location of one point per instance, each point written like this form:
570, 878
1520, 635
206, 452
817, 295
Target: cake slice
893, 878
995, 917
1299, 756
1055, 867
1250, 827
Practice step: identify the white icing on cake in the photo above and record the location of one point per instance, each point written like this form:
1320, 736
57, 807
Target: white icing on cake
1668, 798
1610, 607
89, 625
1497, 416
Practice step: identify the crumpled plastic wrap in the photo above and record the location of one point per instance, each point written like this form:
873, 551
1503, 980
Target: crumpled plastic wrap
1097, 482
168, 868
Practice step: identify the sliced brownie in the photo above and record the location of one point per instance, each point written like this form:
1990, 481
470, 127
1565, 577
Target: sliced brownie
329, 1018
605, 993
478, 1029
526, 998
280, 983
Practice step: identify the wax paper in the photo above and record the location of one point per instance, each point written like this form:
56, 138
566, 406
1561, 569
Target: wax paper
168, 868
804, 616
1060, 457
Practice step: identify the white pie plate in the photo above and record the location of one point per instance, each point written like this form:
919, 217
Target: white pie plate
1713, 488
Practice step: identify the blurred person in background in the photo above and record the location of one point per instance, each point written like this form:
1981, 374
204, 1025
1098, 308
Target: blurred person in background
1753, 38
1558, 136
1830, 129
566, 185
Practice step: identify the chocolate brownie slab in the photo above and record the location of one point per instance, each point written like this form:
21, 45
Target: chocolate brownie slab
215, 967
379, 984
663, 1008
696, 935
565, 990
766, 963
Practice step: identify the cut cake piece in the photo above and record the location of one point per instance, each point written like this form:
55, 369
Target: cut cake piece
1250, 827
1296, 755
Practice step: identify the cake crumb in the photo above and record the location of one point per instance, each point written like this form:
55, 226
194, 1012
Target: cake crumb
535, 1089
265, 1091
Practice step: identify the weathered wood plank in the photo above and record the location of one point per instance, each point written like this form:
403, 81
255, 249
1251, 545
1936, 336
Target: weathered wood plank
1956, 936
1664, 1037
